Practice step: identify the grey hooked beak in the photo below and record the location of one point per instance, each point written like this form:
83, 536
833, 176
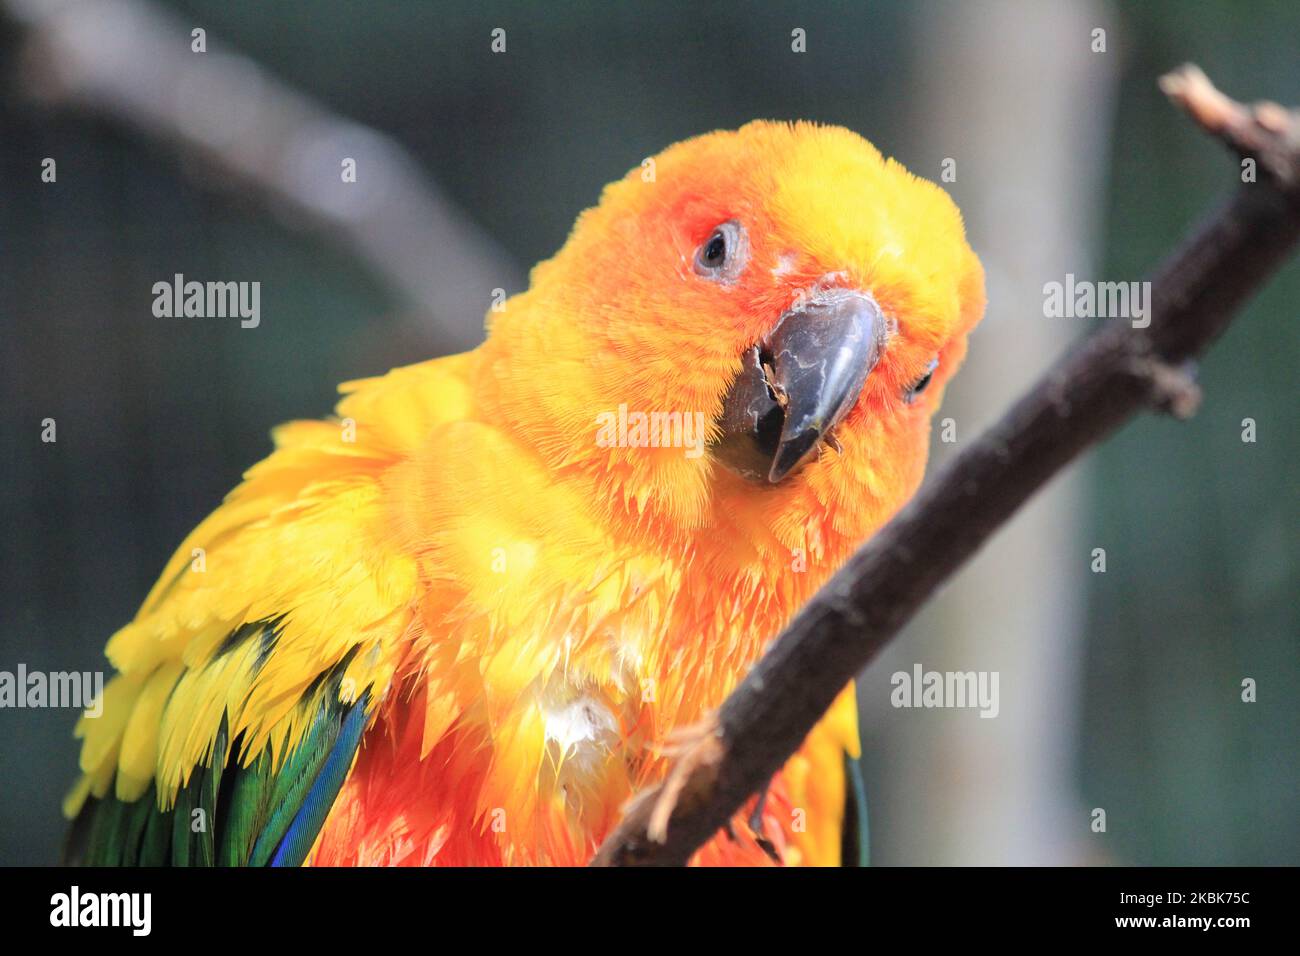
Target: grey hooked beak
798, 383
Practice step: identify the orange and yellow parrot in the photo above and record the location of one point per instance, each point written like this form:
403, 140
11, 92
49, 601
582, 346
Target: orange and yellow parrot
458, 623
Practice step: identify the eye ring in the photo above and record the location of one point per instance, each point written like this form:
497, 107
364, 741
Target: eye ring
722, 256
920, 385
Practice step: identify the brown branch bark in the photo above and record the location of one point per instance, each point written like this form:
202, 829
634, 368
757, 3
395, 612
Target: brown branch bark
1105, 380
130, 61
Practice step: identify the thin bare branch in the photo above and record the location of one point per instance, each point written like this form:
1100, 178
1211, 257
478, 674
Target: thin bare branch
132, 62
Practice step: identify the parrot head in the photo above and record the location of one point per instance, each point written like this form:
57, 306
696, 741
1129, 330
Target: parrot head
752, 328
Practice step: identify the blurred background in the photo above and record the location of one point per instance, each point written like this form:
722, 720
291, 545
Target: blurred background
1119, 690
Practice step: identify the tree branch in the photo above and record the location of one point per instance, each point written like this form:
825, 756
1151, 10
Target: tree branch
1105, 380
131, 62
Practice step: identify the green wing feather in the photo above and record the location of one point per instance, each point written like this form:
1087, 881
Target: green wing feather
855, 847
289, 788
233, 815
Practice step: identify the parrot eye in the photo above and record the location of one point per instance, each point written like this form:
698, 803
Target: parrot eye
723, 254
920, 384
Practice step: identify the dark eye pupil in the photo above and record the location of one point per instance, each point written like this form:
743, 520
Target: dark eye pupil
716, 250
721, 257
919, 386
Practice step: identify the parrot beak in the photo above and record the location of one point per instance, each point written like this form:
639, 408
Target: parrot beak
798, 383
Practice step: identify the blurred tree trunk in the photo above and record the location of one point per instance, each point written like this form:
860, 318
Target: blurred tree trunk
1022, 105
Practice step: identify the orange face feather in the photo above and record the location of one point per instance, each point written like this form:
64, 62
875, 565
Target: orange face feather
538, 550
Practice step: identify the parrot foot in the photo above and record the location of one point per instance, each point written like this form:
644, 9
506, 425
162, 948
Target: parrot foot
693, 748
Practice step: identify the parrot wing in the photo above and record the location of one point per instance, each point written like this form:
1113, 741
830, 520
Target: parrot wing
233, 815
855, 843
247, 679
825, 778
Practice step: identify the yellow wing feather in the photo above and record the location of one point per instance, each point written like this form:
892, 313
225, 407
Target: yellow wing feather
304, 540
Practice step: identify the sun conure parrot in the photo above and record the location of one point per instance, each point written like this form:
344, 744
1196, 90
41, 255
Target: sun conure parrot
460, 622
